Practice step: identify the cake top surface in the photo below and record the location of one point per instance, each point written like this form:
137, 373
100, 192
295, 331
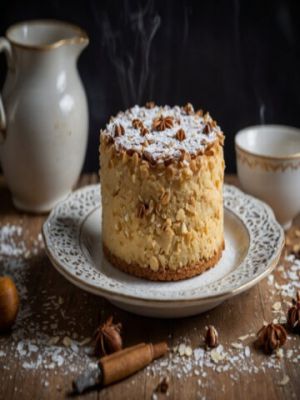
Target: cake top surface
162, 133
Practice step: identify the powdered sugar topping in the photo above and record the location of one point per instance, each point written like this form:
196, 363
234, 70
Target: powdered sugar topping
161, 145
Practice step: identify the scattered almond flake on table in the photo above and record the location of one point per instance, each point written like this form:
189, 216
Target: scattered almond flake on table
181, 349
67, 341
279, 353
270, 279
85, 341
188, 351
53, 340
34, 341
285, 380
217, 354
234, 359
247, 351
46, 335
154, 396
276, 306
237, 345
244, 337
234, 362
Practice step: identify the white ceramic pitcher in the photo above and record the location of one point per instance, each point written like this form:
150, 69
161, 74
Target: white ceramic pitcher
44, 114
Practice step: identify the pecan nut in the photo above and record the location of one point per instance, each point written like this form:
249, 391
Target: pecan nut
211, 337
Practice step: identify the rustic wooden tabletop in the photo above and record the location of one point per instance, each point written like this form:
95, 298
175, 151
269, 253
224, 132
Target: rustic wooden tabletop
50, 345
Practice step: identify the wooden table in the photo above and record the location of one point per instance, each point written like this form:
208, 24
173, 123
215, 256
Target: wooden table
242, 314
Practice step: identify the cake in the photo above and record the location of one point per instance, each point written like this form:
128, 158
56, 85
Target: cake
161, 174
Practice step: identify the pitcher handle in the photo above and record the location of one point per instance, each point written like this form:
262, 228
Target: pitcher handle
6, 47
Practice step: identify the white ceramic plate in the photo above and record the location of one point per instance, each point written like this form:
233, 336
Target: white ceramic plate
253, 244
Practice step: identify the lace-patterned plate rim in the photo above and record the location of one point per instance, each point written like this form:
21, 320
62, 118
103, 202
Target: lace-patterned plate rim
62, 243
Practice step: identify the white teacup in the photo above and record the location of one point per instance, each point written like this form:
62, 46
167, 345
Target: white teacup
268, 164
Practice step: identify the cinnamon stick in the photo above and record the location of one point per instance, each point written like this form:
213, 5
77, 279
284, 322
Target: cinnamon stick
125, 363
117, 354
119, 365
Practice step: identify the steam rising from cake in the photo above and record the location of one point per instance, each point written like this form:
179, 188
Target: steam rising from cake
132, 64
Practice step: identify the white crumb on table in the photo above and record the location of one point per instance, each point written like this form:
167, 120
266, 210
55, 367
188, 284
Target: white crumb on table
44, 346
37, 346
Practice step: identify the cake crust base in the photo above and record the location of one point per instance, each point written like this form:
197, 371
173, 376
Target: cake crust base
166, 274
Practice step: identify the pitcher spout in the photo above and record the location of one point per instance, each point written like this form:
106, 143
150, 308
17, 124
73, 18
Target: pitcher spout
80, 39
79, 43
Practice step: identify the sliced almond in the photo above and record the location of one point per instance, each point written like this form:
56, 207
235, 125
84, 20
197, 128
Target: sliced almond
165, 198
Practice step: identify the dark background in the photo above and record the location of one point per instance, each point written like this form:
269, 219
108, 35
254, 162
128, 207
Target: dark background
237, 59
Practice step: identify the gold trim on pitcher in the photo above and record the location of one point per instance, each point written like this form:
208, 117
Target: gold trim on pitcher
81, 38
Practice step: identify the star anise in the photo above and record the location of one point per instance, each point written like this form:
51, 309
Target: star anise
137, 123
119, 130
293, 317
150, 104
208, 128
143, 131
161, 123
270, 337
189, 109
180, 135
199, 112
108, 338
211, 337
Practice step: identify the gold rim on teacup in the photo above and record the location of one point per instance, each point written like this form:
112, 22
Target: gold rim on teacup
280, 157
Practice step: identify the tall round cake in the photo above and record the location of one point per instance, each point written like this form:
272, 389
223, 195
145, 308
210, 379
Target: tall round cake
162, 172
